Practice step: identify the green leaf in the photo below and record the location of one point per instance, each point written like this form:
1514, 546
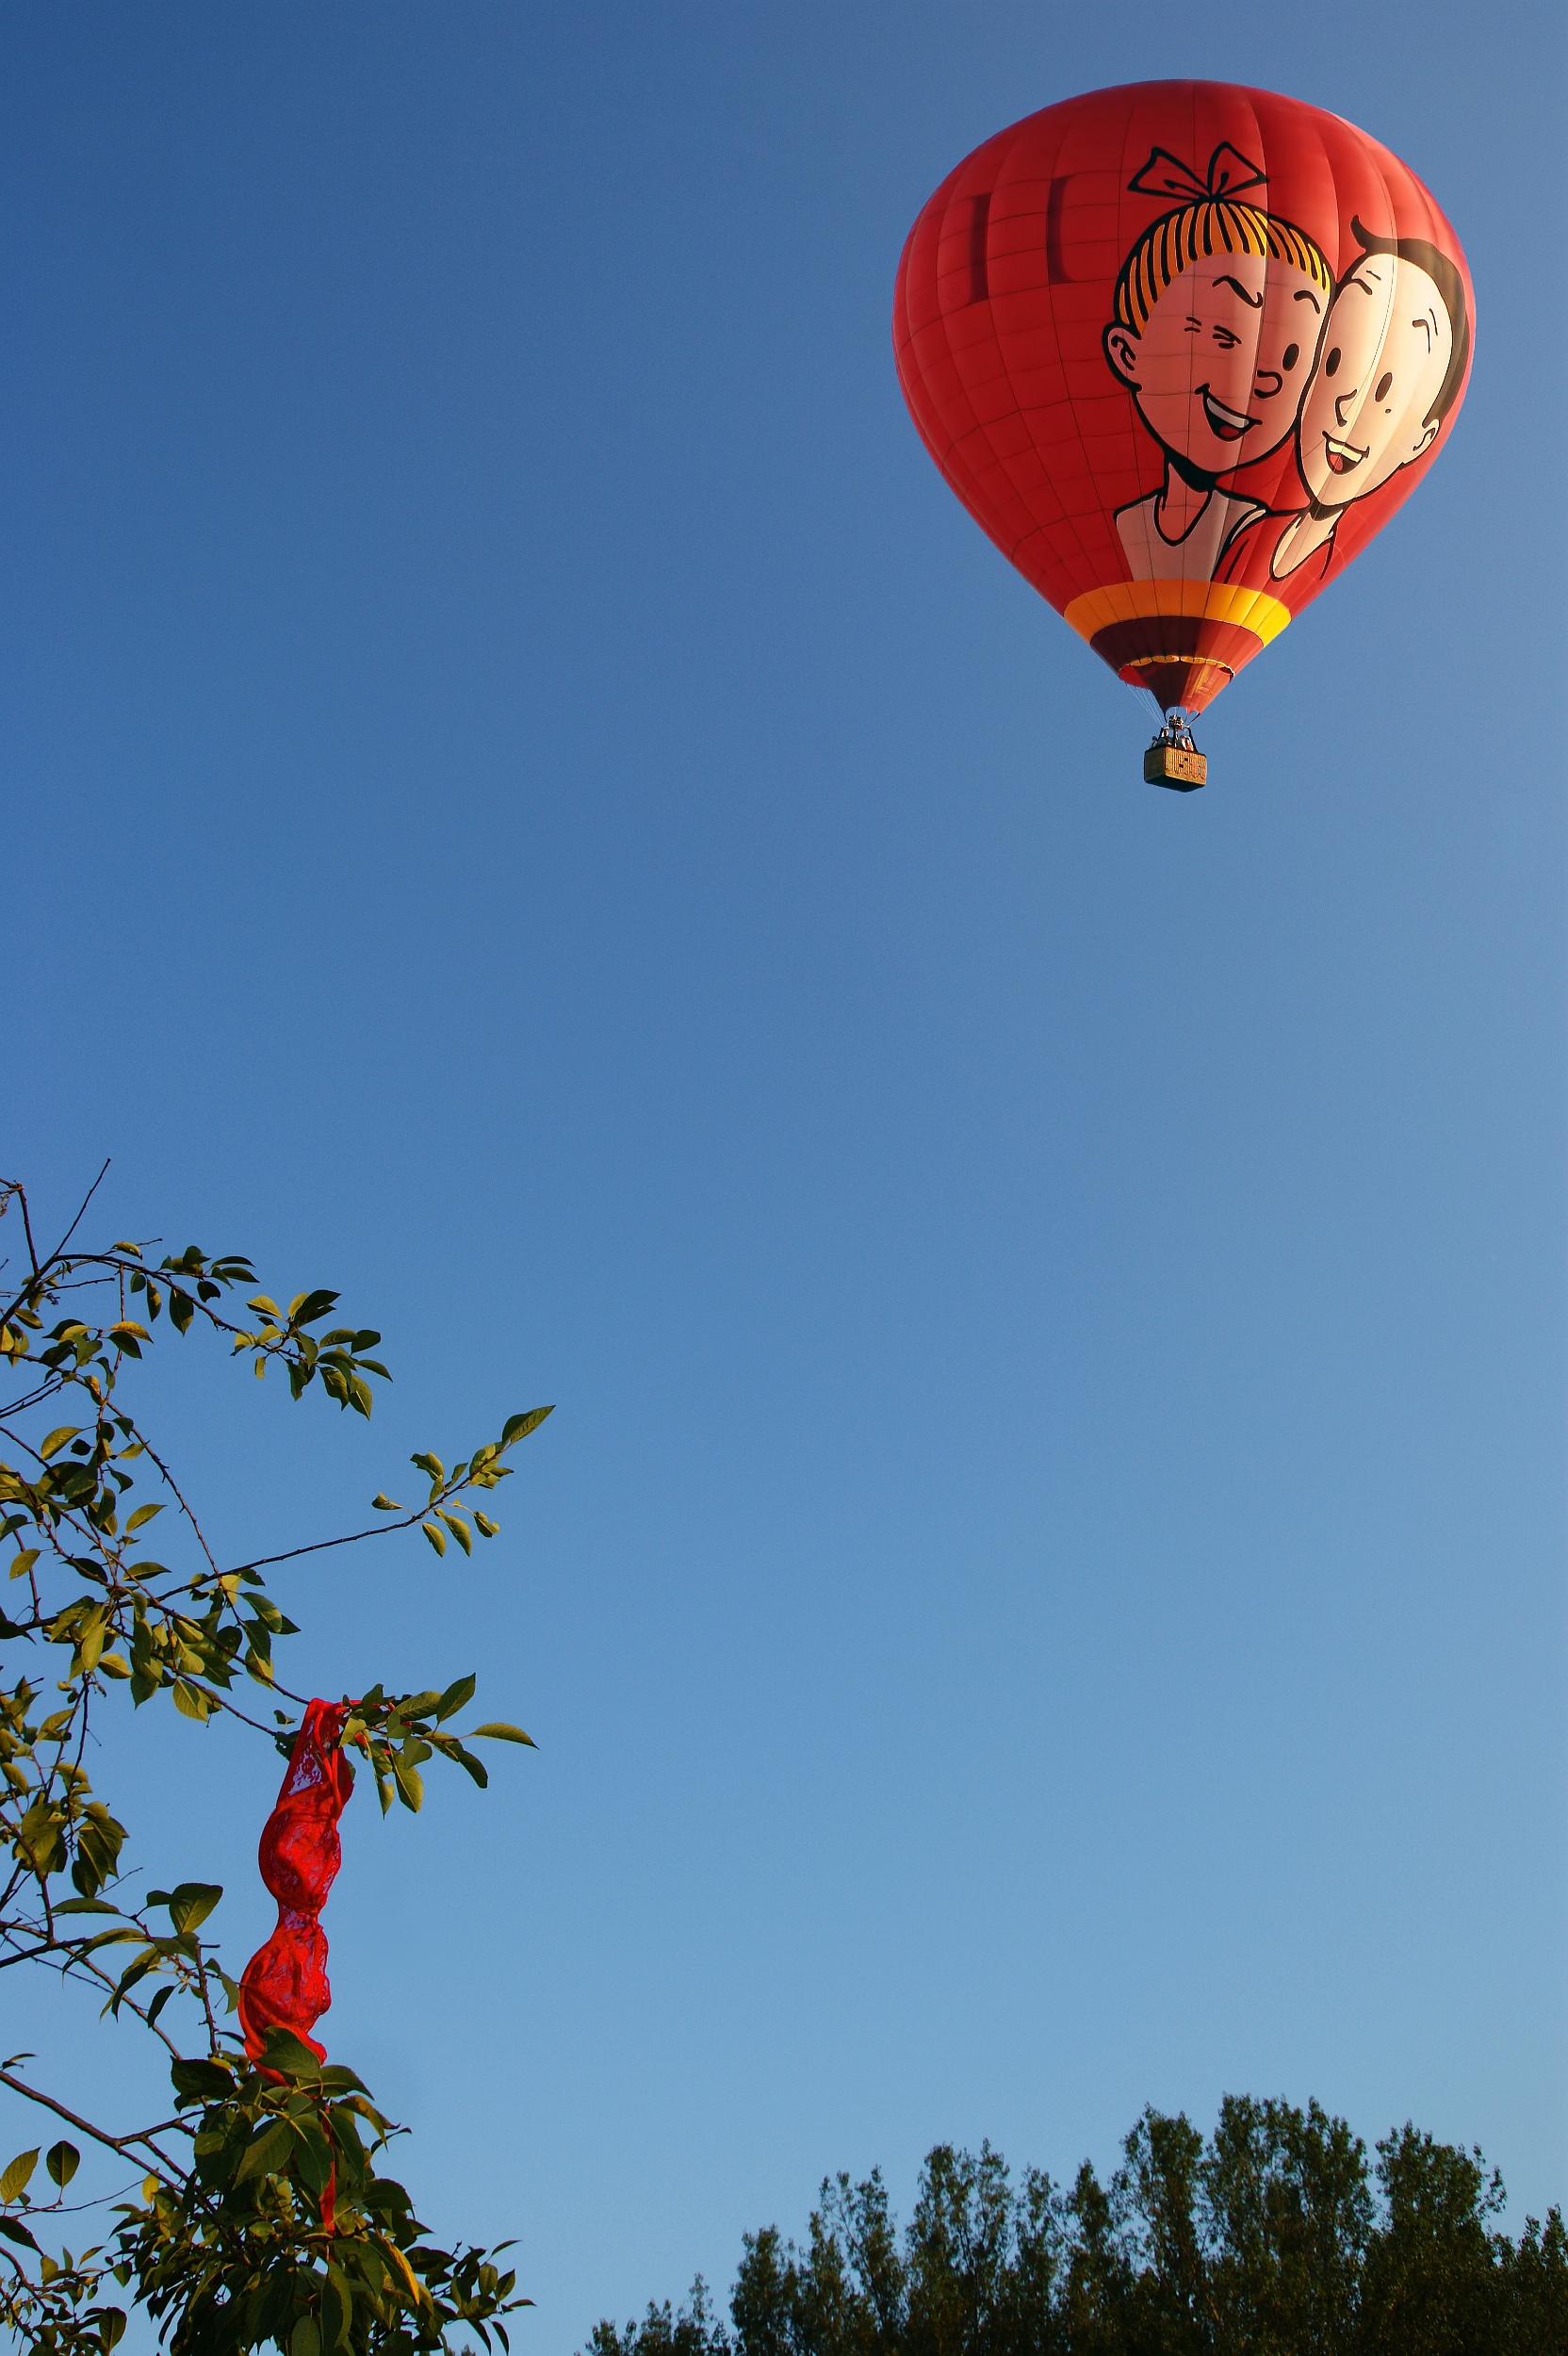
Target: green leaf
381, 1504
143, 1514
519, 1427
305, 1308
191, 1903
498, 1732
338, 2078
411, 1789
290, 2055
190, 1701
456, 1697
202, 2081
337, 2309
62, 2160
13, 2231
265, 1307
471, 1765
56, 1440
266, 2154
305, 2340
114, 1664
137, 1970
385, 2195
485, 1527
18, 2175
430, 1464
460, 1530
435, 1536
314, 2164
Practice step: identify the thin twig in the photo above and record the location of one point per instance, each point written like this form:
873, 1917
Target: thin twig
60, 1248
41, 1269
221, 1702
377, 1529
77, 1963
146, 1446
27, 1228
76, 2208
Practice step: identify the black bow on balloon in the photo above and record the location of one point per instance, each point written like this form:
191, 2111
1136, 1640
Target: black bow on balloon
1228, 174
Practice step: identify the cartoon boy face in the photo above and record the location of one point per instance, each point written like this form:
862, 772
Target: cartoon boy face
1219, 367
1385, 356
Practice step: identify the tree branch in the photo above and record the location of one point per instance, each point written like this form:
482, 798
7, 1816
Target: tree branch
85, 2126
41, 1269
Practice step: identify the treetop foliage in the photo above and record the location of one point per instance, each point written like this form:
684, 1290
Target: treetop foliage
1274, 2236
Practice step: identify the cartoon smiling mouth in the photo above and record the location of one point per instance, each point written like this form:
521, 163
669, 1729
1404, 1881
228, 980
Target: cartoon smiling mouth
1227, 425
1342, 456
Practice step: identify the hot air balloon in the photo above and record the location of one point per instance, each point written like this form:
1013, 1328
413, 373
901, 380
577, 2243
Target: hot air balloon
1182, 349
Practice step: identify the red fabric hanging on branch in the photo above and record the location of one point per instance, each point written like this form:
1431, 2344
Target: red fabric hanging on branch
285, 1984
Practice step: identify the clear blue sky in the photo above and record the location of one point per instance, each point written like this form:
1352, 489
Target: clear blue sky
526, 799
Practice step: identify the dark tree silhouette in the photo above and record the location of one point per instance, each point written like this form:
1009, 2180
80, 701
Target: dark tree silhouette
1277, 2235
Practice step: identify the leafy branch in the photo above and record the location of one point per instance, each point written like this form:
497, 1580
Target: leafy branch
276, 2225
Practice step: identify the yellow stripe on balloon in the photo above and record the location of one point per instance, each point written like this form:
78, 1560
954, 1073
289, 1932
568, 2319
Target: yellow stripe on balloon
1199, 601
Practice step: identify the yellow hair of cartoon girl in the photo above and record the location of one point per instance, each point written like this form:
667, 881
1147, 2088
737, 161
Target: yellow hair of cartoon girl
1213, 224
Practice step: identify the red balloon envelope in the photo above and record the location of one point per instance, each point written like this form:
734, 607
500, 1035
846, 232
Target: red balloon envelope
1181, 349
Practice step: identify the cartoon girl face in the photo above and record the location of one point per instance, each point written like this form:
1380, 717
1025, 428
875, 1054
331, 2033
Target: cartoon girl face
1384, 359
1219, 367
